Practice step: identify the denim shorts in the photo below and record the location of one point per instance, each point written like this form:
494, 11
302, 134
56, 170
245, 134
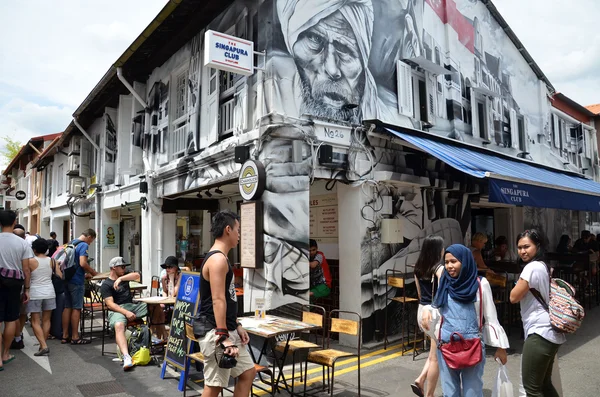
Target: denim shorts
74, 296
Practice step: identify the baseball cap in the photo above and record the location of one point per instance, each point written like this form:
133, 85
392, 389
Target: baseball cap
171, 261
117, 261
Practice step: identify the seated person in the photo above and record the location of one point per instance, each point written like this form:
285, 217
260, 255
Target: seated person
118, 298
169, 283
320, 277
501, 251
478, 241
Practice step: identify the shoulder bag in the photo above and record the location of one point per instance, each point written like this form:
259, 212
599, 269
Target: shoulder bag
459, 352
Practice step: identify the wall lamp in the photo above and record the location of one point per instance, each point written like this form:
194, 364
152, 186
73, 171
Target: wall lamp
208, 194
218, 191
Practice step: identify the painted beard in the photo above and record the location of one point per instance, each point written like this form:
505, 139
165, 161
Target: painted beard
315, 97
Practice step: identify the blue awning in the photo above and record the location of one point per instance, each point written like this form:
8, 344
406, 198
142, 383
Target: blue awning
515, 182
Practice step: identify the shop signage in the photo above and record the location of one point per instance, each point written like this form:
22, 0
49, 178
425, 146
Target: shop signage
186, 306
252, 180
251, 235
20, 195
522, 194
335, 134
228, 53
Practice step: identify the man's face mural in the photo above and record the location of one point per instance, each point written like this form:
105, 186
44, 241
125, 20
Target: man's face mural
330, 68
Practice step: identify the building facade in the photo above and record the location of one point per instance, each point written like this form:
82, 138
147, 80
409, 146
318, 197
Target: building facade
345, 105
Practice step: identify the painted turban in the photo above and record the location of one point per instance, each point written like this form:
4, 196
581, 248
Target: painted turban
297, 16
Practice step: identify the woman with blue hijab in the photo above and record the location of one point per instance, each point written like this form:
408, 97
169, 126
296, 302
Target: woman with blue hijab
461, 308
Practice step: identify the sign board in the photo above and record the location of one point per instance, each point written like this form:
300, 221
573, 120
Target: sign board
228, 53
252, 180
251, 235
335, 134
110, 236
185, 305
323, 217
20, 195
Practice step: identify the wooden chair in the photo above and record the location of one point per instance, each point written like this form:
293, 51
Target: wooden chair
397, 279
106, 326
328, 357
311, 314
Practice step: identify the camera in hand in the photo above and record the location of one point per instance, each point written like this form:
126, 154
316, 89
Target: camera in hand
226, 361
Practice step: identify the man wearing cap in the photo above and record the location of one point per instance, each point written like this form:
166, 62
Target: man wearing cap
117, 296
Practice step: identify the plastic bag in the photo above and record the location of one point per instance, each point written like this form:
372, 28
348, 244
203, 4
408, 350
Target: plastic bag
503, 387
142, 357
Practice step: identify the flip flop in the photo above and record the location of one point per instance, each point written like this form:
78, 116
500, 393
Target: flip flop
417, 390
64, 341
81, 341
9, 360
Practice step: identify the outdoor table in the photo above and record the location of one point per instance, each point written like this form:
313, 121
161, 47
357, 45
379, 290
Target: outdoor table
101, 276
270, 327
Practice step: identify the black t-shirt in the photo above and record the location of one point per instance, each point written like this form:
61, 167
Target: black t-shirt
581, 246
120, 296
52, 246
206, 302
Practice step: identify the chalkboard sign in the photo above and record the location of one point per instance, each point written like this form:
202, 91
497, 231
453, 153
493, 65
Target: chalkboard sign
185, 305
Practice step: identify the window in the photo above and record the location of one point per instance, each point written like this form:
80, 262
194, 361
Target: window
181, 95
60, 180
438, 56
481, 120
522, 137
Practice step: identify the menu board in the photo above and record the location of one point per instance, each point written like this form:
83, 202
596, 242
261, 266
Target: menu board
186, 306
251, 235
324, 217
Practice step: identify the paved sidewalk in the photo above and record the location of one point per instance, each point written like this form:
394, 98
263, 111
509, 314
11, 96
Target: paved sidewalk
82, 371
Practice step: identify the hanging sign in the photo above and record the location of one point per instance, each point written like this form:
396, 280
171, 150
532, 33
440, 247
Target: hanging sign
20, 195
252, 180
228, 53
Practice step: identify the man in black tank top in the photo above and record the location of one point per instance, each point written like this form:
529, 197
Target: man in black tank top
218, 303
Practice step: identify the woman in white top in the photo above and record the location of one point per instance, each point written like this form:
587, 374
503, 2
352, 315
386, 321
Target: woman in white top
541, 340
42, 299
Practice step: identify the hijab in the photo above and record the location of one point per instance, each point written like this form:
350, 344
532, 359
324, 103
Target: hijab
464, 287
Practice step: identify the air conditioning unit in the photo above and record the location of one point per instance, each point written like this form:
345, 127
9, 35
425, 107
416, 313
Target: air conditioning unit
75, 145
76, 186
73, 165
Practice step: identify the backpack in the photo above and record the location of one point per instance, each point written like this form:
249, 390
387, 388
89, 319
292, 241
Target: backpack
138, 344
65, 256
566, 314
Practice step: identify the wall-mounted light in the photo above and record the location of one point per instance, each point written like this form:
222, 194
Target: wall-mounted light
486, 142
565, 163
583, 170
199, 195
523, 155
218, 191
208, 193
242, 154
143, 185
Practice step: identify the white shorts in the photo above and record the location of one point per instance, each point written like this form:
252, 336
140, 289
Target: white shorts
219, 377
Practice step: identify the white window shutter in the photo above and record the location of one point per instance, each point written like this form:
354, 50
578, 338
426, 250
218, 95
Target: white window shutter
557, 130
475, 116
405, 89
85, 159
526, 132
136, 163
430, 86
489, 119
209, 108
514, 129
240, 110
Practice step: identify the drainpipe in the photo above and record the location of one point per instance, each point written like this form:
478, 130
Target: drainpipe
98, 227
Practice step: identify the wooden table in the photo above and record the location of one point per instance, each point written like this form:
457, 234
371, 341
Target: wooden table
101, 276
156, 300
271, 327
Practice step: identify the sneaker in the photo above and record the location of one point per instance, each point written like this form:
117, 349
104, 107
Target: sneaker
127, 363
17, 345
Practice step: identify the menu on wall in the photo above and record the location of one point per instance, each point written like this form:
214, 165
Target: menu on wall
323, 219
251, 233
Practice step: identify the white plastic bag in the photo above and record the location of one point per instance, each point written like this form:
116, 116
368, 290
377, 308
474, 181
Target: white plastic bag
503, 387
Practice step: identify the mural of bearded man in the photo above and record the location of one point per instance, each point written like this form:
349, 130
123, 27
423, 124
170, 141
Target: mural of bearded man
330, 43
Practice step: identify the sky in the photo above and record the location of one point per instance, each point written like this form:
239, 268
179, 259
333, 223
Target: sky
54, 52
